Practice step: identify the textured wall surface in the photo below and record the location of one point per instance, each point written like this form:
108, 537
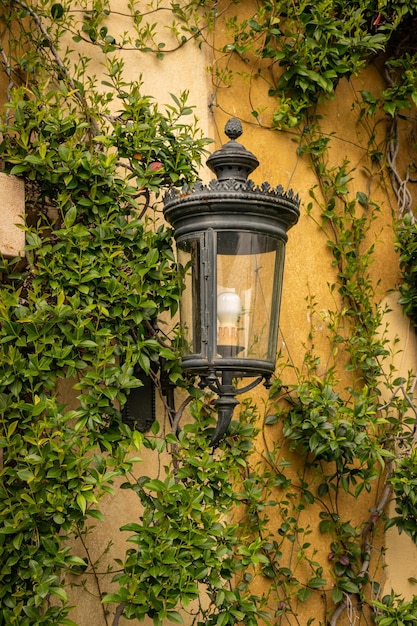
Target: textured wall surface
308, 269
12, 198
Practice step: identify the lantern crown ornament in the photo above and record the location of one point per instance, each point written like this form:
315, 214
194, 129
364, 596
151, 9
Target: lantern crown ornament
230, 237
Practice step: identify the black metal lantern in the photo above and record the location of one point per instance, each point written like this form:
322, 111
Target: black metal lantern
230, 238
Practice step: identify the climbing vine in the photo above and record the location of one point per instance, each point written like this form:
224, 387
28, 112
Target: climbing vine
336, 415
95, 153
80, 307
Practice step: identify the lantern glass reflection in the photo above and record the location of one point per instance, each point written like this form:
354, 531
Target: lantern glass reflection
190, 304
238, 303
246, 265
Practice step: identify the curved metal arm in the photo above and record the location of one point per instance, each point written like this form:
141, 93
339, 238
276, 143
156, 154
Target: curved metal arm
226, 403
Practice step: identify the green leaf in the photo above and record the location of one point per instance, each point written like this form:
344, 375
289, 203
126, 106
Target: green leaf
271, 419
72, 559
349, 586
132, 527
111, 597
70, 217
362, 198
308, 496
390, 107
155, 485
82, 502
337, 595
317, 582
59, 592
18, 169
303, 594
33, 159
25, 475
57, 11
144, 362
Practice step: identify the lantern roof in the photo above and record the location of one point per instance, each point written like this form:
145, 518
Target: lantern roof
232, 164
231, 198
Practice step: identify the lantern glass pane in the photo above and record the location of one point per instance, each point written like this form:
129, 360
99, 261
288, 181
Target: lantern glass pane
249, 280
189, 252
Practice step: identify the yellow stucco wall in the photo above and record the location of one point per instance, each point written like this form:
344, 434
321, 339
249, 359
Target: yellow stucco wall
401, 553
307, 271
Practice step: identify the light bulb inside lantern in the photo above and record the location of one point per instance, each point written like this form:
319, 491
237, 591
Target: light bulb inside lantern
229, 308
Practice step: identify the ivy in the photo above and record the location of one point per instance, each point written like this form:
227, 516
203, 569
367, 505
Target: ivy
80, 309
403, 481
183, 542
97, 272
394, 611
407, 247
308, 49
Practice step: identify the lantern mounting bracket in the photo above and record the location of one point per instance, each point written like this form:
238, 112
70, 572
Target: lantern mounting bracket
226, 401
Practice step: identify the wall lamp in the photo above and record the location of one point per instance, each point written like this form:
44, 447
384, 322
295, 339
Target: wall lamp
230, 237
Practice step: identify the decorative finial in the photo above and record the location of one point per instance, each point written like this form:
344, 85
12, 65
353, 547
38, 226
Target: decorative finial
232, 161
233, 129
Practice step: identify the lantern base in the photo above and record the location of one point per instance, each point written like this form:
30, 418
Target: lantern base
226, 401
228, 351
225, 405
